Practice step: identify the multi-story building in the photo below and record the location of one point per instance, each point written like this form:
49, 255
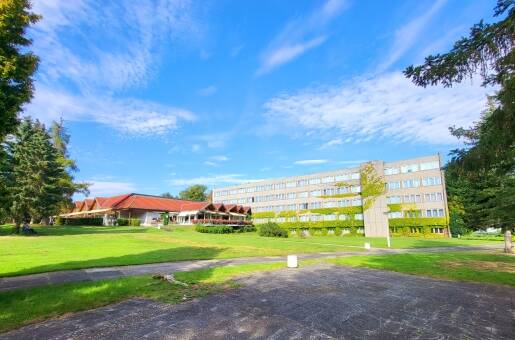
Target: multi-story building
414, 201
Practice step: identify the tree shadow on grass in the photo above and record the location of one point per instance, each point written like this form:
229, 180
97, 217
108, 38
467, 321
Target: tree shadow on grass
73, 230
155, 256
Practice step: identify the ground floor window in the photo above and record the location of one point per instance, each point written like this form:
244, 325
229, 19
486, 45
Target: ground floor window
437, 230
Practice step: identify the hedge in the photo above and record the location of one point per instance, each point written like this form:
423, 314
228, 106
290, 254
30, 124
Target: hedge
263, 214
133, 222
217, 229
98, 221
425, 231
322, 224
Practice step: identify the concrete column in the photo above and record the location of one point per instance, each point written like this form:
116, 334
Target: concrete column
375, 218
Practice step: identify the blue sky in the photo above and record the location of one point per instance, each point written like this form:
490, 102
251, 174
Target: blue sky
160, 95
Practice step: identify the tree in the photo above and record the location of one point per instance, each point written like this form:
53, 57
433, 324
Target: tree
195, 192
17, 65
487, 162
34, 187
372, 185
167, 195
60, 140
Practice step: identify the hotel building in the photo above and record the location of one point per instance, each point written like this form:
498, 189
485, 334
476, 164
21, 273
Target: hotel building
414, 202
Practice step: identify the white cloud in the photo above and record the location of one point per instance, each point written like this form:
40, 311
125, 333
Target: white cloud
331, 143
387, 105
92, 52
299, 36
210, 163
124, 55
215, 140
220, 158
286, 53
408, 34
107, 188
310, 162
212, 180
126, 115
208, 91
195, 148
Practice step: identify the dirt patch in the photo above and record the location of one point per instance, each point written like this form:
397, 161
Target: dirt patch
482, 265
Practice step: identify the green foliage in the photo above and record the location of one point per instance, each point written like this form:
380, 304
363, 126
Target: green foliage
289, 213
216, 229
133, 222
372, 185
95, 221
349, 194
322, 224
394, 207
167, 195
418, 222
195, 192
263, 214
485, 167
166, 218
350, 211
271, 230
17, 64
60, 140
34, 173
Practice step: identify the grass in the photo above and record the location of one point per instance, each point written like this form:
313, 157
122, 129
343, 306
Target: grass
61, 248
21, 307
461, 266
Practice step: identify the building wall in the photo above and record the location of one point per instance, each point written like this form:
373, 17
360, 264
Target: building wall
417, 183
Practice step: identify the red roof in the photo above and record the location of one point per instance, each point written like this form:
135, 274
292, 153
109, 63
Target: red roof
155, 203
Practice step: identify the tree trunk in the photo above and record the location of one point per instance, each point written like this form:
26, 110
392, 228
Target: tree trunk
507, 242
16, 228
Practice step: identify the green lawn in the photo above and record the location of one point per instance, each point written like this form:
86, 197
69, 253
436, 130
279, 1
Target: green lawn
59, 248
483, 267
26, 306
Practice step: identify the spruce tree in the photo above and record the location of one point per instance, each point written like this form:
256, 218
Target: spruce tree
34, 189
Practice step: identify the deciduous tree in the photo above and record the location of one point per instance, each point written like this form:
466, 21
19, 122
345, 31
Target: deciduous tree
17, 64
195, 192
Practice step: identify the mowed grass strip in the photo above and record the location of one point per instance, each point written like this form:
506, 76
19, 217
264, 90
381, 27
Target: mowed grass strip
25, 306
484, 267
63, 248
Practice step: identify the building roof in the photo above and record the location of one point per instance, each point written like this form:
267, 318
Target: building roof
148, 202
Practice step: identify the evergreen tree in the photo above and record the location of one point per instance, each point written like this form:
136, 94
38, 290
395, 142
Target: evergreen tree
34, 186
17, 65
486, 166
60, 140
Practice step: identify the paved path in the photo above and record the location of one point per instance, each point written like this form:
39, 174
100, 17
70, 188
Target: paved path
95, 274
318, 302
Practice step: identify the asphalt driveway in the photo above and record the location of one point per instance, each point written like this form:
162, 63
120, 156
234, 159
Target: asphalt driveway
312, 302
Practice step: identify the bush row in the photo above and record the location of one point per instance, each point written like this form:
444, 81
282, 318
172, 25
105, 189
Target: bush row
224, 229
133, 222
271, 229
79, 221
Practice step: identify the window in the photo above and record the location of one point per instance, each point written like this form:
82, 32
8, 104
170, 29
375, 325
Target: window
355, 188
395, 214
437, 230
328, 179
393, 199
354, 175
428, 181
304, 218
316, 218
315, 205
342, 177
416, 230
342, 217
393, 185
412, 198
328, 192
411, 183
391, 171
313, 181
330, 204
303, 206
291, 195
316, 193
290, 184
409, 168
435, 213
302, 182
413, 213
429, 165
356, 202
303, 194
331, 217
358, 216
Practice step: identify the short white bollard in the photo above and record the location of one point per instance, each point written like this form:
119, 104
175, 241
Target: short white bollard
367, 245
292, 261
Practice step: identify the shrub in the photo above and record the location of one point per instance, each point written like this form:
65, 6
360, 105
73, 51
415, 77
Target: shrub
271, 229
216, 229
122, 222
249, 228
98, 221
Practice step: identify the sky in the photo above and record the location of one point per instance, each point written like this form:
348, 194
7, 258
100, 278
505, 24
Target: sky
160, 95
